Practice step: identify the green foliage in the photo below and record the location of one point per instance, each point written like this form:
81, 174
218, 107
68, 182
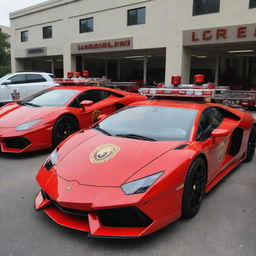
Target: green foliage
5, 58
5, 70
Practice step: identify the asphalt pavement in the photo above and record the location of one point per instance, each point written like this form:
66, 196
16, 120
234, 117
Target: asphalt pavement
225, 225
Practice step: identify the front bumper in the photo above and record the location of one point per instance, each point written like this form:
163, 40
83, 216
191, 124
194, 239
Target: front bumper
89, 221
12, 141
106, 212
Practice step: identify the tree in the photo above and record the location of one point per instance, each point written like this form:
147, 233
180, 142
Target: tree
5, 58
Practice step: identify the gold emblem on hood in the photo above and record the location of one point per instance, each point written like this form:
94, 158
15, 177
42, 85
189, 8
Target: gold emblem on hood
104, 153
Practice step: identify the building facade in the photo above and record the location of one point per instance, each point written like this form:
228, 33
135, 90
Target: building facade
146, 40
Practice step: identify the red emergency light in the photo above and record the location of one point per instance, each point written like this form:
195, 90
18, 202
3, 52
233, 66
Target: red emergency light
176, 80
211, 86
70, 74
207, 92
199, 79
85, 73
174, 92
77, 74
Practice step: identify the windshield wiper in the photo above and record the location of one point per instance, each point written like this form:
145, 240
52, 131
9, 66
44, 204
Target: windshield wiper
135, 136
31, 104
101, 130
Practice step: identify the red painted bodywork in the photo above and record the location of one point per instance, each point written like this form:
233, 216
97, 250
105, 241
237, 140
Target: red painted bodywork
98, 186
40, 135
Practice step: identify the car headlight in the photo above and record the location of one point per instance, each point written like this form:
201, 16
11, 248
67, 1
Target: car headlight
52, 160
141, 185
28, 125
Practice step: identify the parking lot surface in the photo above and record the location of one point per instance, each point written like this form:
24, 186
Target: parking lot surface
225, 225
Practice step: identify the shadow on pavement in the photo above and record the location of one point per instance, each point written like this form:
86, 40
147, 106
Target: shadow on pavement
22, 156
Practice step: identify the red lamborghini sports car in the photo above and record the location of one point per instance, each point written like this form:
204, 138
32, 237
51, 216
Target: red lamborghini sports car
143, 167
46, 118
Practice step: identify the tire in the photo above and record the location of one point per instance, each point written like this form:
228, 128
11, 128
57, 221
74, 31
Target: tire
64, 126
194, 188
251, 145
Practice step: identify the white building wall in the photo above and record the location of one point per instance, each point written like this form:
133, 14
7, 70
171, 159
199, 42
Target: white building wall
165, 22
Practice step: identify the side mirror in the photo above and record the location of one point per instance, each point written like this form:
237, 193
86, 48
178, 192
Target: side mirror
7, 82
86, 103
101, 117
219, 133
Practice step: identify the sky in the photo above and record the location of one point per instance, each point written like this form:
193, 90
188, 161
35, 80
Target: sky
8, 6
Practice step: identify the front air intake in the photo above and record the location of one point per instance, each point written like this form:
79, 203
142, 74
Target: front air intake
17, 142
124, 217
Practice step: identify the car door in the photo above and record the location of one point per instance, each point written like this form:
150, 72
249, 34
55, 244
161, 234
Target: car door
5, 91
104, 103
12, 90
216, 149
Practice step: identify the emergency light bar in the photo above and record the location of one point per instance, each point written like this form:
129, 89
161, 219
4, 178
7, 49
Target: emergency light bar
82, 81
92, 81
199, 90
177, 92
221, 94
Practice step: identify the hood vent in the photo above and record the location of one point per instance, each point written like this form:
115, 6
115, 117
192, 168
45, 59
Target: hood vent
181, 146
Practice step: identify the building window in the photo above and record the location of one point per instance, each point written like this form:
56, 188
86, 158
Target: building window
86, 25
47, 32
252, 4
24, 36
205, 6
136, 16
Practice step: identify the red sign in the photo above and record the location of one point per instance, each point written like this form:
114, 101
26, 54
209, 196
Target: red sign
222, 33
102, 45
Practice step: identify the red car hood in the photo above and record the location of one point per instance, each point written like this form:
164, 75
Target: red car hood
13, 114
132, 156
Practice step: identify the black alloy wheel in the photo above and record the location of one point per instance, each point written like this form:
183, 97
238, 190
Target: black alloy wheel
251, 145
194, 188
65, 126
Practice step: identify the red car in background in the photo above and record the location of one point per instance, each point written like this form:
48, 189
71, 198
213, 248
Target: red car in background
143, 167
46, 118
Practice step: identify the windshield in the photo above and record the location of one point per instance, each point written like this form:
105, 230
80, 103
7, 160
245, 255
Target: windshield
4, 78
50, 98
150, 123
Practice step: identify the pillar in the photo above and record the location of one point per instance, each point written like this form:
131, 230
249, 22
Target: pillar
52, 65
118, 70
217, 68
178, 62
106, 68
145, 62
17, 65
69, 61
